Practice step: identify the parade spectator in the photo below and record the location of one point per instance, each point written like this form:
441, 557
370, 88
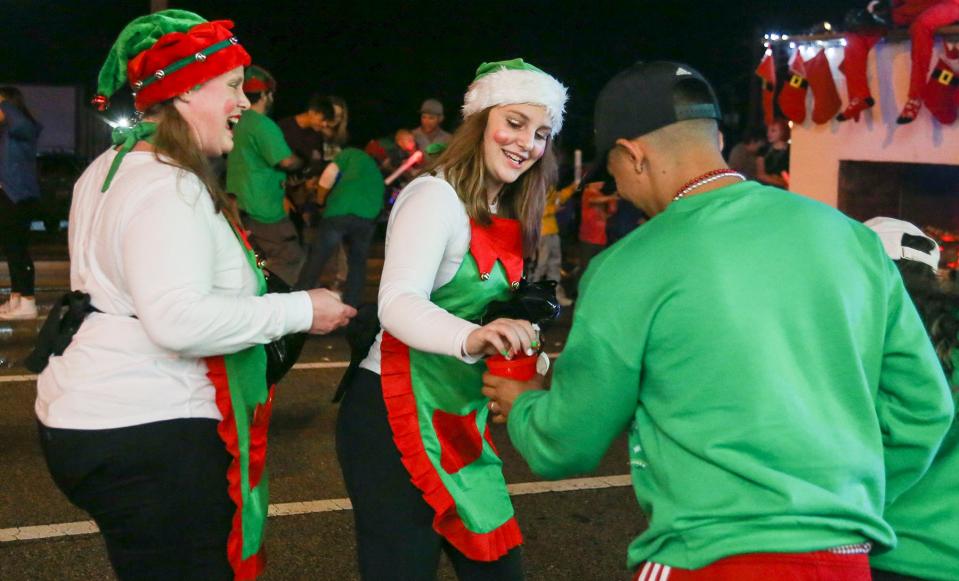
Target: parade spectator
304, 133
391, 152
549, 254
624, 220
154, 420
335, 137
19, 191
597, 206
776, 396
335, 131
419, 467
925, 518
256, 169
743, 156
772, 167
352, 188
430, 130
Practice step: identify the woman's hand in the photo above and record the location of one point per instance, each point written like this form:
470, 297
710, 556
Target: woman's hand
507, 337
329, 312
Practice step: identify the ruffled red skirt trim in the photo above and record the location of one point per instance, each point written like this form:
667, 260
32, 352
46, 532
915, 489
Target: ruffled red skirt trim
402, 415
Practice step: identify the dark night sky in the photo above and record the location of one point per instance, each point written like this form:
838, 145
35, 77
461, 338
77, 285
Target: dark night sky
385, 57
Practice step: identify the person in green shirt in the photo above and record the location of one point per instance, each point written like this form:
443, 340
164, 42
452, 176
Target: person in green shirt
255, 172
925, 517
758, 347
352, 188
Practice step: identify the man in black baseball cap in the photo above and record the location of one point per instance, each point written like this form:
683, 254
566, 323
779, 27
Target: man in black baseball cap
773, 376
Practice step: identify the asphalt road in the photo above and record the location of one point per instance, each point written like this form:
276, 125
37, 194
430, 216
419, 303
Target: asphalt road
578, 534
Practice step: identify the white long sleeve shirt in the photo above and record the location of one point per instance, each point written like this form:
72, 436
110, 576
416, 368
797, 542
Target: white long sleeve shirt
426, 239
154, 247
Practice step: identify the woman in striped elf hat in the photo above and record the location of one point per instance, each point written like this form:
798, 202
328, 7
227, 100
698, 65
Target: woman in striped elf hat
154, 418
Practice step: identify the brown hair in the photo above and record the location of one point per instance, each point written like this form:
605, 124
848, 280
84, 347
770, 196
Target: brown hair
174, 139
464, 167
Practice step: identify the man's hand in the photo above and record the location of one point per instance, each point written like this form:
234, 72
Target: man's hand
329, 312
503, 393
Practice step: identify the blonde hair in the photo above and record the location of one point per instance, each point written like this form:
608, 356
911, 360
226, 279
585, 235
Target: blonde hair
174, 139
464, 167
341, 135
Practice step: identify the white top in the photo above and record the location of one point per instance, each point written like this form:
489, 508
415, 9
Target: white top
426, 239
153, 246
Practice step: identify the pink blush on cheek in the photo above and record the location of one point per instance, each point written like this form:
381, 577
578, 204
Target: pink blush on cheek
229, 106
502, 137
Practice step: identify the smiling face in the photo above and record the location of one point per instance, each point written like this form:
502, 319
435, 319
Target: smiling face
213, 109
515, 139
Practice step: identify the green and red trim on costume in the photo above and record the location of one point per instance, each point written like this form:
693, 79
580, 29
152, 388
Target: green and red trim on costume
439, 417
246, 403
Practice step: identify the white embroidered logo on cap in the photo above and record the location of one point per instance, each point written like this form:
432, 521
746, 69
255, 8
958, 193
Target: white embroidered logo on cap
681, 71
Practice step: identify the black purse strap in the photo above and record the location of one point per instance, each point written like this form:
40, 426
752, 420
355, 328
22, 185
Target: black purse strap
58, 330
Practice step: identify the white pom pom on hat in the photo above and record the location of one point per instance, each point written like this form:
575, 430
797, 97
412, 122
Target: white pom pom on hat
515, 81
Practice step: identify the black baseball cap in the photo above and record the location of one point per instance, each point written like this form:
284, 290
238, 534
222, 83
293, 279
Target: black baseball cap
640, 100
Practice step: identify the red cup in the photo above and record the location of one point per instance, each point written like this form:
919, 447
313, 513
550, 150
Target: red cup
518, 368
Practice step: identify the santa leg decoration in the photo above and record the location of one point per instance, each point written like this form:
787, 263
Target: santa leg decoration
854, 68
922, 30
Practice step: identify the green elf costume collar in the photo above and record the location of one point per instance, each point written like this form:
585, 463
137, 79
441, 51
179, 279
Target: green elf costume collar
160, 56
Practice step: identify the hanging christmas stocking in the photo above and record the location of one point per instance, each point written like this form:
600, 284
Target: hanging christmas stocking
826, 102
940, 93
792, 97
767, 72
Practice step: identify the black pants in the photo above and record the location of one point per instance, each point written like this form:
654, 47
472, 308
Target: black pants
14, 242
157, 491
357, 234
394, 525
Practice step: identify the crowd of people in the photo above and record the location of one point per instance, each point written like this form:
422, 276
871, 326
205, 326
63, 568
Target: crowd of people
785, 418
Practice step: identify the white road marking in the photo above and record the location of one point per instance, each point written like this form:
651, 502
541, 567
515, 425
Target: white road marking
88, 527
297, 367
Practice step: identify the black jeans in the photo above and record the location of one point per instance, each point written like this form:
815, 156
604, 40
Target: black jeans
394, 525
14, 242
157, 491
357, 234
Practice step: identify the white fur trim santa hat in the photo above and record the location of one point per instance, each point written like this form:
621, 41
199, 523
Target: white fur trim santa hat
515, 81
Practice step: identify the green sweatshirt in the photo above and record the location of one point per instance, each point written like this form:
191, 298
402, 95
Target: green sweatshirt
926, 517
762, 352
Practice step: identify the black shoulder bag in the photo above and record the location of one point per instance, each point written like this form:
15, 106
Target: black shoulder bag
58, 330
281, 354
